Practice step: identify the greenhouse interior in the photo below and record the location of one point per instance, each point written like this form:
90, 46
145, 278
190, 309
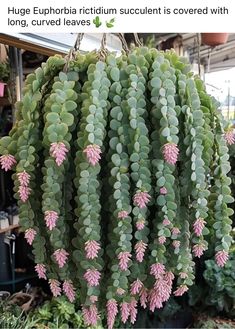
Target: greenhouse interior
117, 174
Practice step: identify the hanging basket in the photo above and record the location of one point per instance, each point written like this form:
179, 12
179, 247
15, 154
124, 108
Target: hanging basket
2, 89
214, 39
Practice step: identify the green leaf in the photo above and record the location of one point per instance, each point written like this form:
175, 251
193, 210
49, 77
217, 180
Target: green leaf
69, 106
67, 118
53, 117
156, 82
115, 74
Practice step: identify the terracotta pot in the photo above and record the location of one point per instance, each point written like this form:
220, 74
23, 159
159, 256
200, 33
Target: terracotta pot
2, 88
214, 39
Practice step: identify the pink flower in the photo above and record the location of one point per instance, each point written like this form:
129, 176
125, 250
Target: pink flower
124, 257
169, 277
86, 316
92, 248
136, 287
92, 277
61, 257
30, 235
93, 154
161, 291
123, 214
23, 178
112, 311
51, 218
198, 250
133, 310
55, 287
198, 226
140, 248
41, 271
163, 288
157, 270
93, 299
120, 291
166, 222
229, 137
140, 224
175, 231
221, 258
154, 300
162, 239
183, 275
58, 151
125, 312
176, 244
159, 294
181, 290
143, 297
163, 190
69, 290
90, 315
94, 315
141, 199
24, 193
7, 161
170, 153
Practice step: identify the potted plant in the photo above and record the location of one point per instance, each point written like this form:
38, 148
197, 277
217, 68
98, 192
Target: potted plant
214, 39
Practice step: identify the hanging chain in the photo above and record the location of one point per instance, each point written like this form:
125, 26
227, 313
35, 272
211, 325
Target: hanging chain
103, 50
124, 43
137, 40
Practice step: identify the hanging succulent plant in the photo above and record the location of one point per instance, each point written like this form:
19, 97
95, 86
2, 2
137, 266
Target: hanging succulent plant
121, 171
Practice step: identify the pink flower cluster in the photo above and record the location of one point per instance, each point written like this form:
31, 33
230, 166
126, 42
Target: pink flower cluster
41, 271
61, 257
141, 199
163, 190
51, 218
221, 258
157, 270
7, 161
198, 226
125, 312
175, 231
140, 248
92, 248
58, 151
144, 297
136, 287
30, 235
140, 224
162, 239
24, 190
92, 277
124, 258
90, 315
176, 244
162, 288
181, 290
198, 249
170, 153
112, 311
93, 154
166, 222
229, 136
69, 290
55, 287
123, 214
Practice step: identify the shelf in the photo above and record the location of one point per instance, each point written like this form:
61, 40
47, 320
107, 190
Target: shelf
9, 228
